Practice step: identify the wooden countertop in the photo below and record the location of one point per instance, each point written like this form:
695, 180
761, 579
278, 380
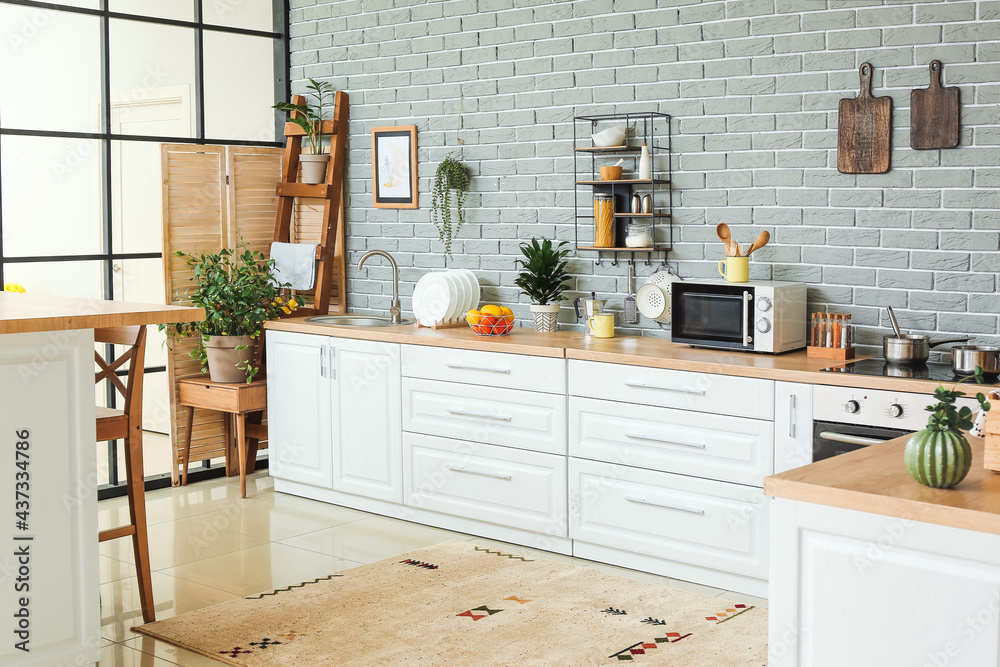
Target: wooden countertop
26, 313
631, 350
874, 479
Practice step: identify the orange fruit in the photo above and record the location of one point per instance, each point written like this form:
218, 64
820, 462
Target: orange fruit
496, 311
487, 323
473, 316
506, 312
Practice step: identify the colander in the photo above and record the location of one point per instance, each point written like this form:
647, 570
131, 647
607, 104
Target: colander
654, 303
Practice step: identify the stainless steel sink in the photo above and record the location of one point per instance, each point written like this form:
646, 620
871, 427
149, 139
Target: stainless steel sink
356, 320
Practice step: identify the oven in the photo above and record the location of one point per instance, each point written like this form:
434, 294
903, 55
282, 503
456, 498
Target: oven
834, 438
756, 316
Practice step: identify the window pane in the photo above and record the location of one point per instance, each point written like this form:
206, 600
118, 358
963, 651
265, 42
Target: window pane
238, 100
51, 196
250, 14
51, 73
136, 193
152, 79
181, 10
81, 279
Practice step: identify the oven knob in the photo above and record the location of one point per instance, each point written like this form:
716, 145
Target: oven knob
895, 410
763, 325
853, 407
763, 304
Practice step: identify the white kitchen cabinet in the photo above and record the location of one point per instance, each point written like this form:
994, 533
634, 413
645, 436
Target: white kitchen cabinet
299, 423
684, 390
522, 419
485, 369
502, 485
731, 449
793, 425
367, 429
334, 413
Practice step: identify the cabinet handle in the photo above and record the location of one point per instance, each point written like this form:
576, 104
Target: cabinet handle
640, 436
505, 371
322, 361
483, 473
643, 385
850, 439
333, 362
791, 415
455, 411
643, 501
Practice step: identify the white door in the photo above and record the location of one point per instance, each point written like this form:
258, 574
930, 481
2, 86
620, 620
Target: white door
367, 425
298, 408
793, 425
136, 211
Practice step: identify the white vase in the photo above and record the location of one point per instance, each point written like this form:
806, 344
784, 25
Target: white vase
545, 316
313, 167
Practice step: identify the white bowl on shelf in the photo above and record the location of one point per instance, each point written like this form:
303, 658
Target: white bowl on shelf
613, 136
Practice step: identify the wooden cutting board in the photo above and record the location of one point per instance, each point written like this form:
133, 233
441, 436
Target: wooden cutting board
865, 132
934, 114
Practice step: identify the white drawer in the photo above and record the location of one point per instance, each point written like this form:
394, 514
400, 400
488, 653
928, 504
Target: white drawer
523, 419
509, 487
705, 523
701, 392
732, 449
486, 369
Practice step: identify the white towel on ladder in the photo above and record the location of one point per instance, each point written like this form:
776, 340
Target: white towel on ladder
294, 263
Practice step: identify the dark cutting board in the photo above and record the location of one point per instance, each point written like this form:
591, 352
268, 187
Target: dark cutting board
865, 132
934, 114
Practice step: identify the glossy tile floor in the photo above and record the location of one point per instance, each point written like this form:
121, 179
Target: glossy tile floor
207, 545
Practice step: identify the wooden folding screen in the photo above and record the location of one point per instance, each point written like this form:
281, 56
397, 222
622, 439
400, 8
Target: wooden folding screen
213, 196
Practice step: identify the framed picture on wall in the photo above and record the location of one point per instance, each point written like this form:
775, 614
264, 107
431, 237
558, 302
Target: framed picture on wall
394, 167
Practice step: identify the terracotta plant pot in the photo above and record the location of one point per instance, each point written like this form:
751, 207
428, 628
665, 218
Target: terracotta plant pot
228, 357
545, 317
313, 168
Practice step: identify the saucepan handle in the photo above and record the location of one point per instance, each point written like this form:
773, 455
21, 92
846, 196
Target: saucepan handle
948, 340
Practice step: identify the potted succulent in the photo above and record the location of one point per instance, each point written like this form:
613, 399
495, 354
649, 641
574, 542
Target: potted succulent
310, 119
238, 294
543, 278
451, 174
939, 456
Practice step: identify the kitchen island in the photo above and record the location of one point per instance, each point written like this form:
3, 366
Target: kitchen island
49, 591
870, 568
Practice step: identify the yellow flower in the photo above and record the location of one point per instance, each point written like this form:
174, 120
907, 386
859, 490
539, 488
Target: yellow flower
277, 299
292, 304
286, 310
13, 287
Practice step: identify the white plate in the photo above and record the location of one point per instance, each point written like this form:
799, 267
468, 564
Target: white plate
418, 292
477, 293
468, 281
456, 293
435, 301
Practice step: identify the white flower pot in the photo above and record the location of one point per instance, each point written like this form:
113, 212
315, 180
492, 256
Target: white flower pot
545, 316
314, 167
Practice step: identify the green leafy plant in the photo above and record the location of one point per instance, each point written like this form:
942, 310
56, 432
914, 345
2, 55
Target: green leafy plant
945, 416
238, 294
543, 272
309, 117
451, 174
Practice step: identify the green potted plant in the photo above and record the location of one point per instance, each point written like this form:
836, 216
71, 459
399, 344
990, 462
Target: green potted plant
310, 119
238, 294
451, 174
542, 279
939, 456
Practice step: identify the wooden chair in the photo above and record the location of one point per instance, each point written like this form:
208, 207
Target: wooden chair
126, 425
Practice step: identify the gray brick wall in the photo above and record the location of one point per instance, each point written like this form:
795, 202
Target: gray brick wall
753, 86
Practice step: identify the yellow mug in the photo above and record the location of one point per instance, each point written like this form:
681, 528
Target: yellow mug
737, 269
603, 325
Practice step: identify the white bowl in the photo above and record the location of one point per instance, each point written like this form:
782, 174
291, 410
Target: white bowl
613, 136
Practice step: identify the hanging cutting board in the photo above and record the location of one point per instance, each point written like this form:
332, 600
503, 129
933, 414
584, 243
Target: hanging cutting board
934, 114
864, 136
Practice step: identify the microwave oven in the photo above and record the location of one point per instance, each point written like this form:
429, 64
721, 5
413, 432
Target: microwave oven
757, 316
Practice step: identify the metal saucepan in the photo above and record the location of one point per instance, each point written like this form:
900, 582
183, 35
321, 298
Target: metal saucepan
911, 349
965, 358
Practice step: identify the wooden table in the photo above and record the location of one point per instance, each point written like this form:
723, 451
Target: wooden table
47, 371
241, 402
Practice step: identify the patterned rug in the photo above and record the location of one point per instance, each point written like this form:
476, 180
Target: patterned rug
461, 604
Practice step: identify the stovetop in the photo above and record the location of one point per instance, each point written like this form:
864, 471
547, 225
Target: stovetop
936, 372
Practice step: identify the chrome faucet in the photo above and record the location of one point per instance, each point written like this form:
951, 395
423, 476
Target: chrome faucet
394, 309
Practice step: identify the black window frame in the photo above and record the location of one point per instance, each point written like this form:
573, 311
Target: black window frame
282, 91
